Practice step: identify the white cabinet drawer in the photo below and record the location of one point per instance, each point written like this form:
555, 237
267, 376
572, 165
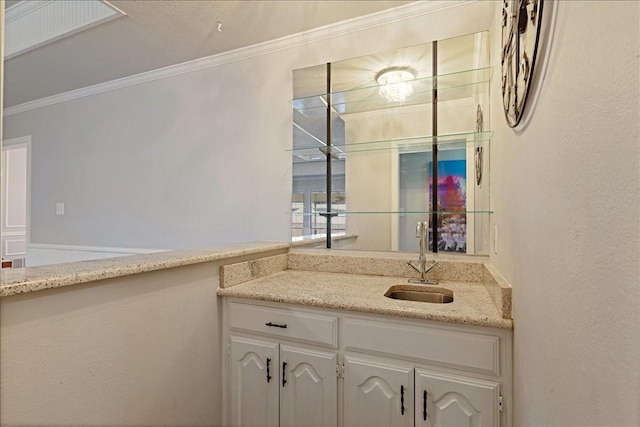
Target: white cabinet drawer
461, 350
297, 325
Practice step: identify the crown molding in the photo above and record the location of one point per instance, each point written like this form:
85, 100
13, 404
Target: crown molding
400, 13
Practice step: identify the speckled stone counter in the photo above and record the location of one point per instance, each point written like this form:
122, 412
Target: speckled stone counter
472, 305
30, 279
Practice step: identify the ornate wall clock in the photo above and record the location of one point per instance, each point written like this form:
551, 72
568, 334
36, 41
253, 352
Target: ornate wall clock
521, 23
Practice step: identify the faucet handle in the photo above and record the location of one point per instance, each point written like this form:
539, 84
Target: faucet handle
419, 229
435, 263
410, 264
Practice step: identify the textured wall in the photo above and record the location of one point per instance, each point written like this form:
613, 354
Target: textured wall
137, 350
566, 195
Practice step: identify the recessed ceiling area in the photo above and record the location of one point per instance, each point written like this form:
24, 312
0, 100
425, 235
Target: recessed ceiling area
33, 24
159, 33
9, 3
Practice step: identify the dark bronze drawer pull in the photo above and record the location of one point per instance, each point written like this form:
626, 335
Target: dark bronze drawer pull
284, 373
276, 325
424, 405
268, 376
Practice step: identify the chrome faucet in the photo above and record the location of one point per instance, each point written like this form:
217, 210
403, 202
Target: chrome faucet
422, 229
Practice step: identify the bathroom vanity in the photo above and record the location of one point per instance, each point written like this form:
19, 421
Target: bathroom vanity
327, 348
255, 334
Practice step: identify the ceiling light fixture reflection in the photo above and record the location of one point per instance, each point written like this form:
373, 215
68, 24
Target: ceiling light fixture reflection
395, 83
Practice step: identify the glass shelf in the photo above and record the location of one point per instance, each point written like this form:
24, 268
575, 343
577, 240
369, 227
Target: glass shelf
411, 144
450, 87
441, 212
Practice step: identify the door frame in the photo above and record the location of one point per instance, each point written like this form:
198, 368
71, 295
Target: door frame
9, 144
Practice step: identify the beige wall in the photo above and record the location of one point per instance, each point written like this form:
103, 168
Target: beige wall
566, 196
138, 350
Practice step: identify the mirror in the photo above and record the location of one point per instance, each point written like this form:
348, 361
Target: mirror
386, 127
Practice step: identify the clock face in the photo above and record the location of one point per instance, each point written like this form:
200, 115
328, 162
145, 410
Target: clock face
521, 22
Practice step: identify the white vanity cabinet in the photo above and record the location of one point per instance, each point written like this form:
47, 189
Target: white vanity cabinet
253, 383
309, 384
452, 400
377, 393
271, 383
454, 379
389, 393
335, 368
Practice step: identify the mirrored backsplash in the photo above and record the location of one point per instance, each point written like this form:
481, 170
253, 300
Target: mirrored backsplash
371, 136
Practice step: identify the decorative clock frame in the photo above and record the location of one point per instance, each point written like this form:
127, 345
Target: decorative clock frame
521, 27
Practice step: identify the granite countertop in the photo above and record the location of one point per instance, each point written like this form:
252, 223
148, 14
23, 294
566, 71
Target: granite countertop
472, 303
343, 290
30, 279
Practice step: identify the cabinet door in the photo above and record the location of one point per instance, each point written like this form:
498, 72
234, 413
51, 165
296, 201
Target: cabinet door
377, 393
254, 383
308, 393
455, 401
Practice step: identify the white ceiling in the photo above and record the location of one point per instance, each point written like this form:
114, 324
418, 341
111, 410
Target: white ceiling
159, 33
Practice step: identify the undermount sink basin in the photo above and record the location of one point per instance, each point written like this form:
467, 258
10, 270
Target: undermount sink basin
421, 294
